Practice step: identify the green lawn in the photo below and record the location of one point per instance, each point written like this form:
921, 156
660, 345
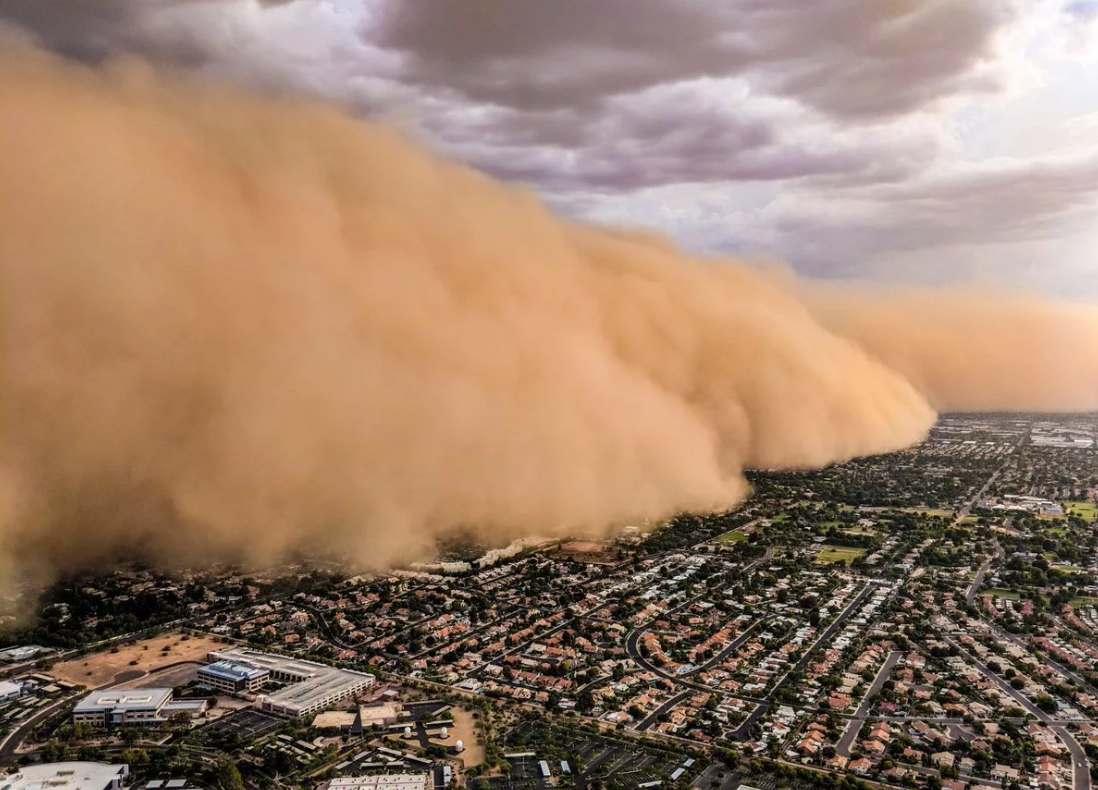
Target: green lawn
829, 554
859, 531
1085, 510
930, 511
1002, 592
732, 536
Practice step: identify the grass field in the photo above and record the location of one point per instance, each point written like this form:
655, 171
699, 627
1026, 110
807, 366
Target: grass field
99, 669
1085, 510
859, 531
1002, 592
829, 554
930, 511
732, 536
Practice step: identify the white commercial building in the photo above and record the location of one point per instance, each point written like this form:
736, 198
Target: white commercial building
313, 686
66, 776
133, 707
9, 691
422, 781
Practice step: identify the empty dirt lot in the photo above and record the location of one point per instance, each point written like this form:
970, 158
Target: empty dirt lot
466, 731
101, 669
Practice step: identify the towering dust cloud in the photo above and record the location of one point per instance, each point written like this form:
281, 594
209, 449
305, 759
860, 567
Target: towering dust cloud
235, 326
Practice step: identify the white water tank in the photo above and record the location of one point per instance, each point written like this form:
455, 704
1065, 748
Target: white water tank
407, 732
445, 733
459, 747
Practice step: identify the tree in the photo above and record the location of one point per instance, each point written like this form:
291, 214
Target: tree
135, 756
228, 775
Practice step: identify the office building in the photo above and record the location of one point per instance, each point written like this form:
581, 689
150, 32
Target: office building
133, 707
312, 687
66, 776
9, 691
233, 678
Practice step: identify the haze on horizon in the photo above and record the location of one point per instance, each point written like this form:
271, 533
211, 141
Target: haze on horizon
237, 324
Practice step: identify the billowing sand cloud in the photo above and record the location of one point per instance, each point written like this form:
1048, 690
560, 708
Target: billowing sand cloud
235, 326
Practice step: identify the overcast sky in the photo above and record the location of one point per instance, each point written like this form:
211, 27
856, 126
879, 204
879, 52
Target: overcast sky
914, 140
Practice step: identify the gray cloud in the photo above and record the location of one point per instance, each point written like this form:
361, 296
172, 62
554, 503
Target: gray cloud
848, 58
685, 133
182, 33
997, 205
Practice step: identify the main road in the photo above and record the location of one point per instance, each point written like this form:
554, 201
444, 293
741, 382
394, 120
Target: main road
974, 588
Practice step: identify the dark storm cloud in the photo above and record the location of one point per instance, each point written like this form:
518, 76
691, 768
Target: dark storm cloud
849, 58
600, 96
95, 29
597, 95
665, 135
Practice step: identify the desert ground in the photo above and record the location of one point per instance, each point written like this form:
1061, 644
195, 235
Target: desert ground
466, 731
106, 667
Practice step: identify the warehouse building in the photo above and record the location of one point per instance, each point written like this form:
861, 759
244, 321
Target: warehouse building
312, 687
233, 678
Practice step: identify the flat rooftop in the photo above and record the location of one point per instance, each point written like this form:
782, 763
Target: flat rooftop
64, 776
314, 682
232, 671
284, 665
383, 782
123, 700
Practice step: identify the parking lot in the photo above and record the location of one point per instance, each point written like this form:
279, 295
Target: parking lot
613, 763
248, 724
718, 777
